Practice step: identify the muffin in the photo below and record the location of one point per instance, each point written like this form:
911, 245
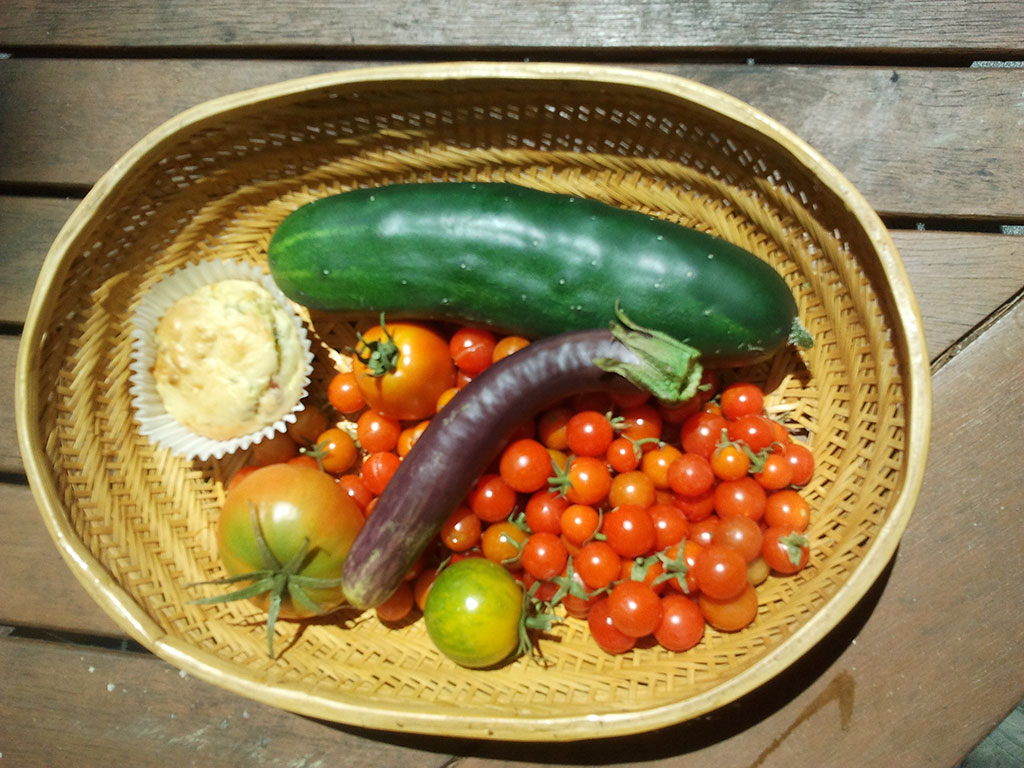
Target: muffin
221, 360
228, 360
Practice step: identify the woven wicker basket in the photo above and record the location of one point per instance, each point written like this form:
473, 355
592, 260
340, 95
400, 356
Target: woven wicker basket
136, 524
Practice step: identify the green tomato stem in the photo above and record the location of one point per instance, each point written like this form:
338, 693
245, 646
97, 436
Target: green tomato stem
275, 579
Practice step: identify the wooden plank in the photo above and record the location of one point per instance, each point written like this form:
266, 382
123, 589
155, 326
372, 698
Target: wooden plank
959, 278
28, 225
41, 592
10, 455
687, 25
899, 136
63, 705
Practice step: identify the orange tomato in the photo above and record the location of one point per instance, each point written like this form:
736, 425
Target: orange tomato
402, 369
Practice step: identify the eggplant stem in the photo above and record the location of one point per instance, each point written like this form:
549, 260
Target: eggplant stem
666, 367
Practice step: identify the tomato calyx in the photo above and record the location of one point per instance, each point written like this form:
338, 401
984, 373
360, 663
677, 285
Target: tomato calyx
675, 568
518, 519
794, 544
757, 459
319, 451
639, 442
380, 356
560, 482
568, 584
535, 618
275, 578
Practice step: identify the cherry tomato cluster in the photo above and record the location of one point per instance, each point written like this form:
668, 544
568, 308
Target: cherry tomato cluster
646, 521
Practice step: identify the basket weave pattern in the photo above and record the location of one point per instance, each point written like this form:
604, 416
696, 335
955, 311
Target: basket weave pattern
218, 190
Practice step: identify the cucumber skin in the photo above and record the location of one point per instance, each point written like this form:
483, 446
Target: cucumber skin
523, 261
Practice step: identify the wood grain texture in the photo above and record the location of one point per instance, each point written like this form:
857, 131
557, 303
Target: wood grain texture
28, 225
959, 278
10, 455
899, 136
992, 26
123, 708
54, 600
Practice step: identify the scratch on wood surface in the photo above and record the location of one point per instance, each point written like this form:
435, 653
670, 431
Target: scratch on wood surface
841, 689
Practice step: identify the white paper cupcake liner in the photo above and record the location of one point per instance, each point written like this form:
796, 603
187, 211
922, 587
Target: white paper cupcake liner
154, 420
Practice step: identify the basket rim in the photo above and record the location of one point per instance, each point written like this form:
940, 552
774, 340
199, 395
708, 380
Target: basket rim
130, 617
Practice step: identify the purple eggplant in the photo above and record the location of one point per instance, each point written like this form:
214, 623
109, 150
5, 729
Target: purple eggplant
465, 437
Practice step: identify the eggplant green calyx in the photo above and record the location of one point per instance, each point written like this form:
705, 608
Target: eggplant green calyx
667, 368
275, 578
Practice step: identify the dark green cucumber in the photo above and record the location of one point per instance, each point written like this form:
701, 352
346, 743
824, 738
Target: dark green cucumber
533, 263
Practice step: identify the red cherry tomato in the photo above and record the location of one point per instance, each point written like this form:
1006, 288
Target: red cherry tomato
608, 637
461, 531
378, 469
682, 623
721, 572
787, 509
775, 473
701, 433
754, 430
635, 608
642, 422
377, 432
525, 465
544, 511
629, 530
579, 523
690, 475
544, 556
492, 499
589, 433
801, 461
598, 564
741, 399
740, 533
785, 551
472, 349
740, 497
670, 525
623, 455
343, 393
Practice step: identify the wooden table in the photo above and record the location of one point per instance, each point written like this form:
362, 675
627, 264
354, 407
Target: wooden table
920, 104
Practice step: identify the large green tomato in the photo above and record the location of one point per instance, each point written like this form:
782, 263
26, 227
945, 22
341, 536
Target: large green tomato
473, 613
294, 507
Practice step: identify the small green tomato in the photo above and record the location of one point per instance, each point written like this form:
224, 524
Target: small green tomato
474, 613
